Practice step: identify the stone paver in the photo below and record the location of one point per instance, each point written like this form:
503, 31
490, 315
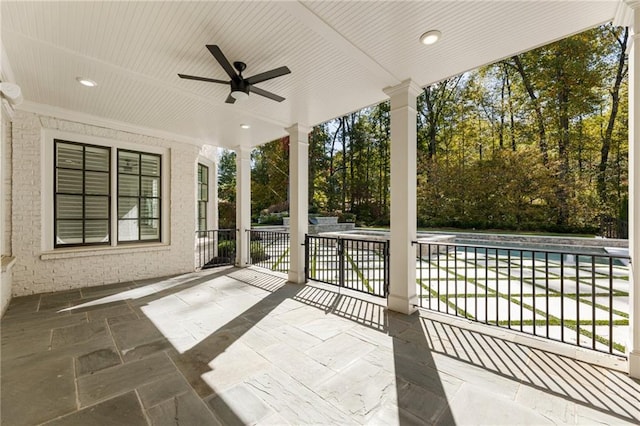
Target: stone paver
163, 389
113, 381
126, 408
36, 390
184, 409
96, 361
240, 346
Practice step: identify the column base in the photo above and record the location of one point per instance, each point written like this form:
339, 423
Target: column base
404, 305
295, 277
634, 364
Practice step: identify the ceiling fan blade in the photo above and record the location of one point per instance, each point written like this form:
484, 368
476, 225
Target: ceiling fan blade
230, 99
268, 75
210, 80
222, 60
266, 94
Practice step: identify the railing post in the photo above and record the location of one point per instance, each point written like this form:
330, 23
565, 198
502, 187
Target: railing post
306, 258
387, 262
340, 262
248, 238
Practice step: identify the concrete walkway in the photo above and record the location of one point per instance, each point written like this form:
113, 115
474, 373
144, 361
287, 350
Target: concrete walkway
243, 347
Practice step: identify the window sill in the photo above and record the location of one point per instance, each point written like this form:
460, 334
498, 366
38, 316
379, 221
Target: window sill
70, 253
7, 263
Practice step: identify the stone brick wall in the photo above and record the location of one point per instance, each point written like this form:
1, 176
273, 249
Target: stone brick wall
38, 271
5, 229
6, 183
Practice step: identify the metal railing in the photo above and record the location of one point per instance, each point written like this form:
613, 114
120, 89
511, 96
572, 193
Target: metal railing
215, 247
575, 298
269, 249
361, 265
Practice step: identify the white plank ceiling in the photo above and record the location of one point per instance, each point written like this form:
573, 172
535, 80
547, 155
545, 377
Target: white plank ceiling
341, 54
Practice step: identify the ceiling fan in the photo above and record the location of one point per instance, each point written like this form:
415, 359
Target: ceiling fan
240, 86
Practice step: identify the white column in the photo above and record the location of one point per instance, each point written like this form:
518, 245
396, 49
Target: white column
212, 207
212, 210
402, 289
634, 195
298, 199
243, 203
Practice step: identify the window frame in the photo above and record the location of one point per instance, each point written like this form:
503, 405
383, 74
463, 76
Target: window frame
47, 192
139, 197
199, 200
56, 245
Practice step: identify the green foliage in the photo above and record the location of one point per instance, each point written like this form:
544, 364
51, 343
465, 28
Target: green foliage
536, 142
270, 220
346, 218
269, 175
227, 248
257, 252
227, 176
226, 214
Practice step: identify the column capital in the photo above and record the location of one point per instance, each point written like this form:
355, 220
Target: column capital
633, 4
407, 86
243, 151
624, 13
298, 128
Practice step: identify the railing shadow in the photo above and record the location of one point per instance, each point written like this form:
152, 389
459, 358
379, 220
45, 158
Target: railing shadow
419, 390
419, 394
426, 352
598, 388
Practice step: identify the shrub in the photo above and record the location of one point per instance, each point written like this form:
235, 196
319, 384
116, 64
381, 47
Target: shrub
346, 218
270, 220
257, 252
227, 248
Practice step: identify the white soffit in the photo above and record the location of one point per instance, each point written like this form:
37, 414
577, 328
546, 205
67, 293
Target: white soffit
341, 54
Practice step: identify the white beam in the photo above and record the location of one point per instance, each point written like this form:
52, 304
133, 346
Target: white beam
402, 289
243, 203
633, 348
298, 200
317, 24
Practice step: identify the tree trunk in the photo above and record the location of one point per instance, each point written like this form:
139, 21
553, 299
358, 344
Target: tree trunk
615, 101
542, 136
562, 192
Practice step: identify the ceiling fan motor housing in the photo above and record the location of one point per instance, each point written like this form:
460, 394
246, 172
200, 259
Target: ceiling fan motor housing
239, 85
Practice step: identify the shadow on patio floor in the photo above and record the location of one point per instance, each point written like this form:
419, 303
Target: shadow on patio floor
243, 347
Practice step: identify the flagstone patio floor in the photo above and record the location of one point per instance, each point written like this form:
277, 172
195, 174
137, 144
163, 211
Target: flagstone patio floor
241, 346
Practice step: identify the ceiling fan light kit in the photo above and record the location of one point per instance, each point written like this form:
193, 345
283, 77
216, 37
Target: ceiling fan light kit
240, 86
239, 95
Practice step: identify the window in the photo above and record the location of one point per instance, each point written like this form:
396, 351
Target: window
99, 192
203, 196
82, 194
138, 196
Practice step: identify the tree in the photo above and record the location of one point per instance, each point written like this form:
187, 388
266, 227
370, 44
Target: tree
621, 36
227, 190
227, 176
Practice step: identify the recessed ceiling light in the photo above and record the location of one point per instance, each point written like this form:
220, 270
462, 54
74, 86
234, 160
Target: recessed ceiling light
245, 126
86, 82
430, 37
